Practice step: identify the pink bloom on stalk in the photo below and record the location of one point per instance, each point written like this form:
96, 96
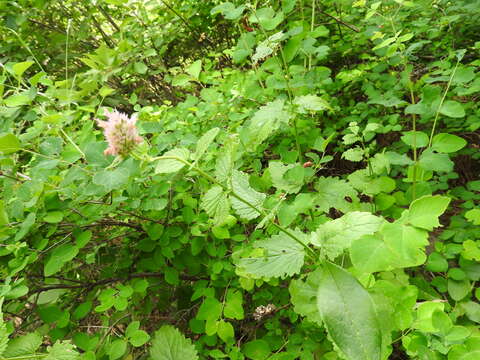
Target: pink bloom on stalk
120, 132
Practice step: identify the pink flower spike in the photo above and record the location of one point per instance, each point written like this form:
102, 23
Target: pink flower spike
120, 132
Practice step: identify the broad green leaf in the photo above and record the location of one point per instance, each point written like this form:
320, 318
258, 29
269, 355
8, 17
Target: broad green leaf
267, 17
332, 192
452, 109
216, 204
53, 217
21, 67
225, 330
228, 10
458, 289
23, 345
288, 5
256, 349
281, 256
172, 165
349, 314
226, 160
194, 69
432, 161
395, 245
9, 144
140, 67
448, 143
26, 225
17, 100
204, 142
3, 214
138, 338
60, 255
264, 122
308, 103
169, 344
424, 320
419, 138
241, 188
62, 351
280, 179
116, 349
111, 179
234, 305
303, 295
337, 235
424, 212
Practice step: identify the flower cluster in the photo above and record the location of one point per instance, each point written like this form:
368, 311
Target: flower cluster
120, 132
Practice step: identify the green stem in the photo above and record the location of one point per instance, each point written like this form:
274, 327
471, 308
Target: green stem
239, 198
415, 154
437, 114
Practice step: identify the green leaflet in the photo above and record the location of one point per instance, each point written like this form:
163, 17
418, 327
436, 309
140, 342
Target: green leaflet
3, 331
288, 178
169, 344
62, 351
349, 314
242, 188
23, 345
281, 256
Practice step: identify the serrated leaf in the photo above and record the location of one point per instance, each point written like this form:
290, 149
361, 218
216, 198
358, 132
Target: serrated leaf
241, 187
282, 256
349, 314
278, 173
331, 193
215, 202
169, 344
204, 142
226, 159
303, 295
424, 211
23, 345
62, 351
337, 235
165, 166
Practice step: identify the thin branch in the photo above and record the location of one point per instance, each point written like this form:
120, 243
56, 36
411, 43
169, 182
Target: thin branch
340, 21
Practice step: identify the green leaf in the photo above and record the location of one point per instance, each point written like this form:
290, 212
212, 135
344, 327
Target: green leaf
140, 67
256, 349
432, 161
308, 103
53, 217
9, 144
282, 256
215, 202
17, 100
138, 338
337, 235
281, 180
59, 257
62, 351
234, 305
169, 344
225, 330
21, 67
172, 165
228, 10
111, 179
418, 137
424, 211
331, 193
452, 109
349, 314
194, 69
303, 295
204, 142
264, 122
23, 345
241, 188
473, 216
211, 309
448, 143
116, 349
3, 331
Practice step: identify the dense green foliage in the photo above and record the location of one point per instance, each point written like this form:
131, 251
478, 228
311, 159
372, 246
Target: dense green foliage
301, 183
